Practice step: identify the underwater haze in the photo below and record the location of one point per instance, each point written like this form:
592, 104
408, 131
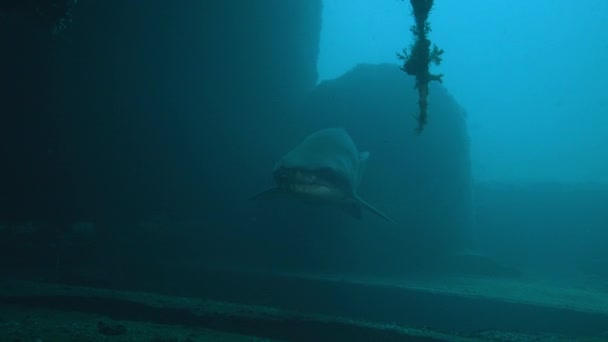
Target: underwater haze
250, 170
530, 76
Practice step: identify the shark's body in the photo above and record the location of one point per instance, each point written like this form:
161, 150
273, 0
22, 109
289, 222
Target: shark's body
326, 168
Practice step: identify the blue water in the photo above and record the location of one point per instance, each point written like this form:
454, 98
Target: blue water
530, 76
133, 138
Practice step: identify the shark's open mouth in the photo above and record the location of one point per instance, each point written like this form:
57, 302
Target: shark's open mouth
315, 183
300, 176
311, 189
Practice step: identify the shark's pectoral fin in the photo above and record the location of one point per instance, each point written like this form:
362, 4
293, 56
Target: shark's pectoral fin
268, 194
363, 158
369, 207
353, 209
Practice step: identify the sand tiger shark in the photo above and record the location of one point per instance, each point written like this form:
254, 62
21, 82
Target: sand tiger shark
325, 167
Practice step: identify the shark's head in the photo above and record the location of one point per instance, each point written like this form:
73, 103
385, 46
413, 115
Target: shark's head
325, 167
322, 185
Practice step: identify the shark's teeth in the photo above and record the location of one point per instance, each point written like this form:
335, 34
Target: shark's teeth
310, 188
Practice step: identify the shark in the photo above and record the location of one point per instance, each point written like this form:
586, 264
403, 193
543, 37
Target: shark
326, 167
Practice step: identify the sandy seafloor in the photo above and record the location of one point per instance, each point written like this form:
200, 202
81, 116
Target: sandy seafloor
41, 312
